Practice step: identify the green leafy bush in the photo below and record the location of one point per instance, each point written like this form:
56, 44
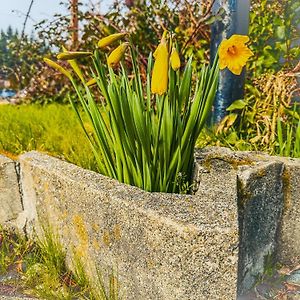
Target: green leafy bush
20, 61
275, 35
140, 18
266, 120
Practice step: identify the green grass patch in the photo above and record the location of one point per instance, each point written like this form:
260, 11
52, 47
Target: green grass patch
39, 269
52, 129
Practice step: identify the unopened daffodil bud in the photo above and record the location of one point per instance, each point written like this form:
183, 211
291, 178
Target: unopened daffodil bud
108, 40
177, 29
73, 63
175, 60
159, 81
69, 55
91, 82
57, 67
116, 55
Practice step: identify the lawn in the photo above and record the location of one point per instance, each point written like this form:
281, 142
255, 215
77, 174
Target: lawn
52, 129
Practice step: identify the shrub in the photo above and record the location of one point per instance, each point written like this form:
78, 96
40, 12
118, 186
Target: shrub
266, 120
274, 32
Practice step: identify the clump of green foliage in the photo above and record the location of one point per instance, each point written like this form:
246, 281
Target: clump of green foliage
12, 250
20, 57
143, 134
266, 120
52, 129
20, 61
42, 269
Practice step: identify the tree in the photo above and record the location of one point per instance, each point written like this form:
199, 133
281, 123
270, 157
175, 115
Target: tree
20, 58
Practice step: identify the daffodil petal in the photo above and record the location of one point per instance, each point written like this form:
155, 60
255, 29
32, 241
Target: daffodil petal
222, 64
237, 38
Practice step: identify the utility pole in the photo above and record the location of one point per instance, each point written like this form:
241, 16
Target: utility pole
26, 19
74, 23
234, 21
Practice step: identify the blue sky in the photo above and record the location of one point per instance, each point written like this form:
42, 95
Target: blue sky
12, 12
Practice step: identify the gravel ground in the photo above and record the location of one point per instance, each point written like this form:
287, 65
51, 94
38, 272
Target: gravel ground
10, 289
12, 292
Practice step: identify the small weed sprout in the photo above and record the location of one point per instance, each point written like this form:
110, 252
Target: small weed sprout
183, 184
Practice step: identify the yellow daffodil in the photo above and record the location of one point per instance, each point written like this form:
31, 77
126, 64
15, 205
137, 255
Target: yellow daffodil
234, 53
159, 81
57, 67
175, 60
116, 55
110, 39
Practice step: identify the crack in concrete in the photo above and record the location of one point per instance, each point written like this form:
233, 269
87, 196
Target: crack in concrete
18, 173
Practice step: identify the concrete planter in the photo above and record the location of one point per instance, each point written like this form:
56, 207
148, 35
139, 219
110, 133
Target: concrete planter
210, 245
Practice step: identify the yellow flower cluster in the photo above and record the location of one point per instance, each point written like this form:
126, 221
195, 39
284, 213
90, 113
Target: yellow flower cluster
113, 59
233, 54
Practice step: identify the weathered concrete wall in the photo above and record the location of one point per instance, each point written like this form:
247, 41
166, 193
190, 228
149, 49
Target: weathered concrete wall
268, 195
260, 207
10, 198
288, 252
165, 246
